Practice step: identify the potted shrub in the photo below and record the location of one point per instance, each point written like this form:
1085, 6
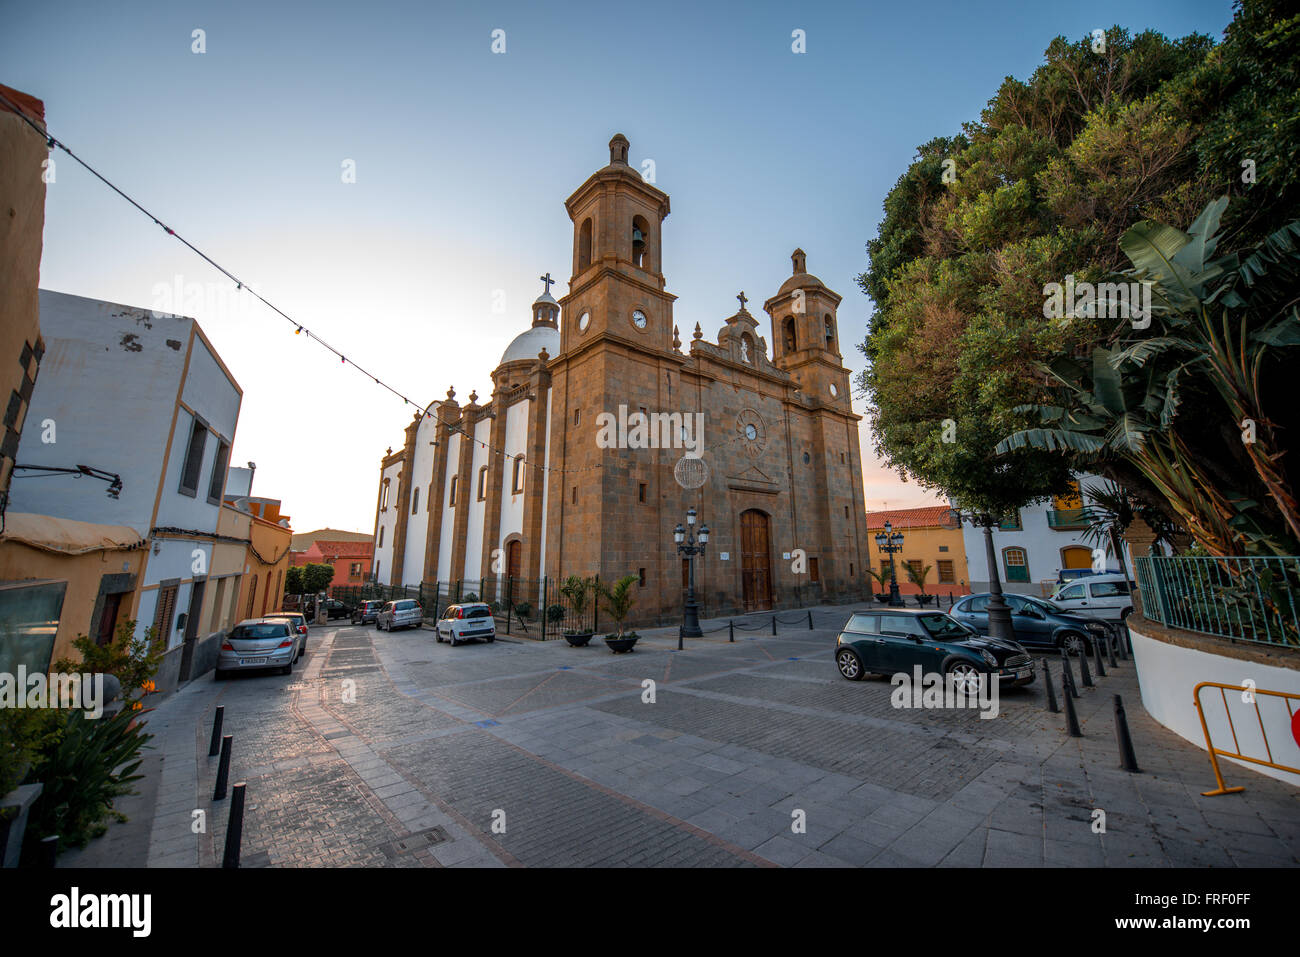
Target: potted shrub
883, 580
577, 591
618, 602
918, 578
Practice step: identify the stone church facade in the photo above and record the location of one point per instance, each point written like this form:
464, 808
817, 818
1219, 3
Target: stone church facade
527, 483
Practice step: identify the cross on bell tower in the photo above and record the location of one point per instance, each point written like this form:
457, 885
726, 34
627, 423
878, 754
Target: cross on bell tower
549, 282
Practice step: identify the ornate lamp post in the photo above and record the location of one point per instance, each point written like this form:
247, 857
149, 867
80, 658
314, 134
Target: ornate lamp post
999, 611
889, 542
686, 545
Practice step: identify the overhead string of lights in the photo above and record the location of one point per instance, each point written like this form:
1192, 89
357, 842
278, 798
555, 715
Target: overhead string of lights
299, 327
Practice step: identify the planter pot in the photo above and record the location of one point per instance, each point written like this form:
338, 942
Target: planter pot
13, 821
882, 598
578, 639
924, 599
619, 645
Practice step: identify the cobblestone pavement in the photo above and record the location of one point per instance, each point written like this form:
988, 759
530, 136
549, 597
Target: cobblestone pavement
394, 750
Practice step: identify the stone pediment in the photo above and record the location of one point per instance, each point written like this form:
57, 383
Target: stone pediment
753, 479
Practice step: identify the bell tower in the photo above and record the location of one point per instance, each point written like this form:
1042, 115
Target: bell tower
617, 290
806, 335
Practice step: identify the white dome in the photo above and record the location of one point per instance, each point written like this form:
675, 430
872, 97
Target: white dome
530, 342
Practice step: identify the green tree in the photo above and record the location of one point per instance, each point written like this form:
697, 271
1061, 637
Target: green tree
316, 577
293, 580
1042, 186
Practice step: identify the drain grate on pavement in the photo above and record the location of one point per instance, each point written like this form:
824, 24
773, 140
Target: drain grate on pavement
426, 838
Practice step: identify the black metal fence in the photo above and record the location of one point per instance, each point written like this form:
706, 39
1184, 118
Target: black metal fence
528, 607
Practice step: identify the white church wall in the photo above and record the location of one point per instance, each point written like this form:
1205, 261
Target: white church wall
546, 486
477, 510
387, 528
445, 573
516, 443
417, 519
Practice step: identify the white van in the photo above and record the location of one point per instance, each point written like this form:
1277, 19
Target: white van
1105, 596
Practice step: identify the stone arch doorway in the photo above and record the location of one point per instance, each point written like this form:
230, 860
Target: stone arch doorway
755, 560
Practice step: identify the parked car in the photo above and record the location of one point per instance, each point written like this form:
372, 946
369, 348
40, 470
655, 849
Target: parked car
299, 621
336, 609
466, 622
1107, 596
403, 613
367, 612
257, 644
1037, 622
891, 640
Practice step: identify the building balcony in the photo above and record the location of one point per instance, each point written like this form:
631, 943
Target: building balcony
1066, 519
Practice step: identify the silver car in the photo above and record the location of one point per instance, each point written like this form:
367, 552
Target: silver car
461, 623
299, 621
257, 644
403, 613
1097, 596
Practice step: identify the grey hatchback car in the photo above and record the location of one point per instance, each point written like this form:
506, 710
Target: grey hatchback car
257, 644
403, 613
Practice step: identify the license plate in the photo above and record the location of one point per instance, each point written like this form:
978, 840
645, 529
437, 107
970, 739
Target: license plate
1022, 672
252, 661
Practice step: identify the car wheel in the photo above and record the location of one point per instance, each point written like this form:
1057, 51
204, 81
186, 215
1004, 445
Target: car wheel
451, 640
437, 634
1073, 644
492, 639
288, 669
965, 677
849, 664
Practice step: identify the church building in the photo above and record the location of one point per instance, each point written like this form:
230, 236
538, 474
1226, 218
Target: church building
602, 428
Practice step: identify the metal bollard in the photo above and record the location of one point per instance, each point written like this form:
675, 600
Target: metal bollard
215, 747
1051, 692
810, 627
1084, 674
774, 625
223, 770
235, 826
1127, 757
1110, 651
731, 630
47, 852
1096, 650
1068, 674
679, 637
1071, 718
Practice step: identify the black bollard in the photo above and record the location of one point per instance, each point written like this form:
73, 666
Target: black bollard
1110, 651
1068, 674
1127, 758
679, 637
1119, 640
235, 826
774, 625
731, 630
1071, 718
810, 627
223, 770
48, 851
1096, 651
1051, 692
1084, 673
215, 747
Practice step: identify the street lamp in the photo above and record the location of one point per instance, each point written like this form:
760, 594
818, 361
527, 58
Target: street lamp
687, 545
999, 611
889, 542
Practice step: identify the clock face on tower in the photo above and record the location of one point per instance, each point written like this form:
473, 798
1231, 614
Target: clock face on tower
751, 432
639, 319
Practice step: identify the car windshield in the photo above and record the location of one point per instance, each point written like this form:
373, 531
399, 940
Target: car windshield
268, 630
942, 627
1044, 604
479, 612
404, 605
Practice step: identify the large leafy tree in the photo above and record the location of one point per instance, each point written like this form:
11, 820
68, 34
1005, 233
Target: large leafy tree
1043, 185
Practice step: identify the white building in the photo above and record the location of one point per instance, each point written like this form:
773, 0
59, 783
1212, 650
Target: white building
1042, 539
145, 397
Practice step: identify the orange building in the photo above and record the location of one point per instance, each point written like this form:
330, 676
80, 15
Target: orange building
351, 560
925, 543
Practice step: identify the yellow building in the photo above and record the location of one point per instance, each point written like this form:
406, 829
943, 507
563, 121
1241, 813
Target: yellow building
925, 543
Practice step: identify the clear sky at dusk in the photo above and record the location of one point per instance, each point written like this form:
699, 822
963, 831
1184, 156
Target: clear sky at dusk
463, 160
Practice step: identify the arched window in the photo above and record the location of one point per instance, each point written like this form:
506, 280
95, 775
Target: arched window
517, 480
584, 245
640, 242
788, 335
383, 497
381, 537
415, 501
482, 482
451, 496
1015, 564
830, 332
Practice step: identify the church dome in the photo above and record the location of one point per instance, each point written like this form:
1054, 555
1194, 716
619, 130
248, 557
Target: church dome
531, 341
801, 279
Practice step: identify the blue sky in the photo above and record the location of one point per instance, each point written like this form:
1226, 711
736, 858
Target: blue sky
463, 160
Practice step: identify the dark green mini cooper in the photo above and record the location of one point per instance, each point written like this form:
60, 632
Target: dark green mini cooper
898, 639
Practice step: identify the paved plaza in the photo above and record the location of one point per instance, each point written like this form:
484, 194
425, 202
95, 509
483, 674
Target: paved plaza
393, 750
